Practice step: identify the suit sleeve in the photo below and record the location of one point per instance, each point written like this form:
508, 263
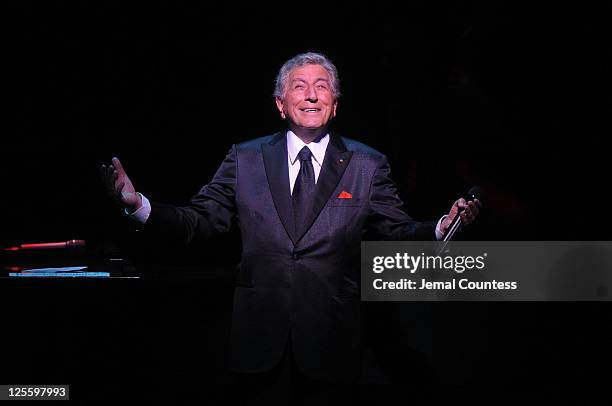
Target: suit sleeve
211, 211
386, 219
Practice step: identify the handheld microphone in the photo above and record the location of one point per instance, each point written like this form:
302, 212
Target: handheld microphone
473, 193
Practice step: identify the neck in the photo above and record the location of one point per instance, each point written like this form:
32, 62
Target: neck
308, 135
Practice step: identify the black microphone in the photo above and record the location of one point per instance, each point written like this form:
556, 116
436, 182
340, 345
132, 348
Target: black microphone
473, 193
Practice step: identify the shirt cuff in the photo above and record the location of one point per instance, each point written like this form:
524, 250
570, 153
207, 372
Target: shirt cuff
141, 215
439, 233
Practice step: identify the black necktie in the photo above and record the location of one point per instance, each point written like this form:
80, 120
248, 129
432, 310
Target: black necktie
303, 190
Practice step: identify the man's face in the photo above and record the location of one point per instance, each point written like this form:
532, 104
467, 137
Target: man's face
308, 101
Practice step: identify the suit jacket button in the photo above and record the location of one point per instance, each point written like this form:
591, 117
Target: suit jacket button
295, 256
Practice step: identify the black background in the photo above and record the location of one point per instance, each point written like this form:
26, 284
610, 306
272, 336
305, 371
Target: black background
510, 96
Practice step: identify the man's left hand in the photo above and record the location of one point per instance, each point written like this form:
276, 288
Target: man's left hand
467, 210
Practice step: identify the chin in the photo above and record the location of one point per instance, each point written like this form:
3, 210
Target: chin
313, 126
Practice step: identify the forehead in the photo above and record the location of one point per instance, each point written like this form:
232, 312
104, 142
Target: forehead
309, 73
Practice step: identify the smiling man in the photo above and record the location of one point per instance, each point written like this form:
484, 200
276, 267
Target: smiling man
308, 97
301, 199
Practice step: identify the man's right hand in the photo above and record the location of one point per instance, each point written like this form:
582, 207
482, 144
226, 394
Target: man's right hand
119, 186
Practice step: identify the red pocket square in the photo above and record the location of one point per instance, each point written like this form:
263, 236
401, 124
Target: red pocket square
345, 195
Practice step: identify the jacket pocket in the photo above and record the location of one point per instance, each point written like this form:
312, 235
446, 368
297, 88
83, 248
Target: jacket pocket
353, 202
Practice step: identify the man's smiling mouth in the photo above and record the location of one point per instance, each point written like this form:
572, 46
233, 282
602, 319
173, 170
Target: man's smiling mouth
310, 110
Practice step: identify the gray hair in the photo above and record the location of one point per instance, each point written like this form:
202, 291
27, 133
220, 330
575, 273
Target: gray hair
308, 58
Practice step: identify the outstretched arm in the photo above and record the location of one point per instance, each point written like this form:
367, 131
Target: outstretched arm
210, 211
386, 218
391, 222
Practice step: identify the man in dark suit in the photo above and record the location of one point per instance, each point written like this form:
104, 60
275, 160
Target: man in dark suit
302, 200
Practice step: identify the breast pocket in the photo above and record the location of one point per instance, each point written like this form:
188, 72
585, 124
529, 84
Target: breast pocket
353, 202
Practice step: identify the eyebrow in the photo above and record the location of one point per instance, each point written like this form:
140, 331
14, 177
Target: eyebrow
317, 80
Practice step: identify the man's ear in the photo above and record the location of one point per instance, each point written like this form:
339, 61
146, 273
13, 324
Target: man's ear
280, 107
334, 108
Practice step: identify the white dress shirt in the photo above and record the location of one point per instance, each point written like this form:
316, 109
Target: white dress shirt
294, 146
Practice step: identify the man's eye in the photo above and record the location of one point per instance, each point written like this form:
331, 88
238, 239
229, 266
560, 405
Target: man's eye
299, 87
321, 87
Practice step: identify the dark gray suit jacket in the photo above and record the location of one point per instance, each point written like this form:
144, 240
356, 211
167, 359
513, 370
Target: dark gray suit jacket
303, 286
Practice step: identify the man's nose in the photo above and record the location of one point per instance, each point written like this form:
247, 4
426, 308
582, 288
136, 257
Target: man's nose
311, 94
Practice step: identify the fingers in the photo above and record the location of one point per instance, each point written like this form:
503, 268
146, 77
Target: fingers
117, 190
117, 165
461, 203
106, 171
103, 171
470, 211
113, 178
110, 177
467, 218
118, 185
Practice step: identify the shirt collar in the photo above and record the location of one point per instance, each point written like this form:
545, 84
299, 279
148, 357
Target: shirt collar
295, 145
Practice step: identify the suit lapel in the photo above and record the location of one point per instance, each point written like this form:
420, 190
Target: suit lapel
275, 160
334, 164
